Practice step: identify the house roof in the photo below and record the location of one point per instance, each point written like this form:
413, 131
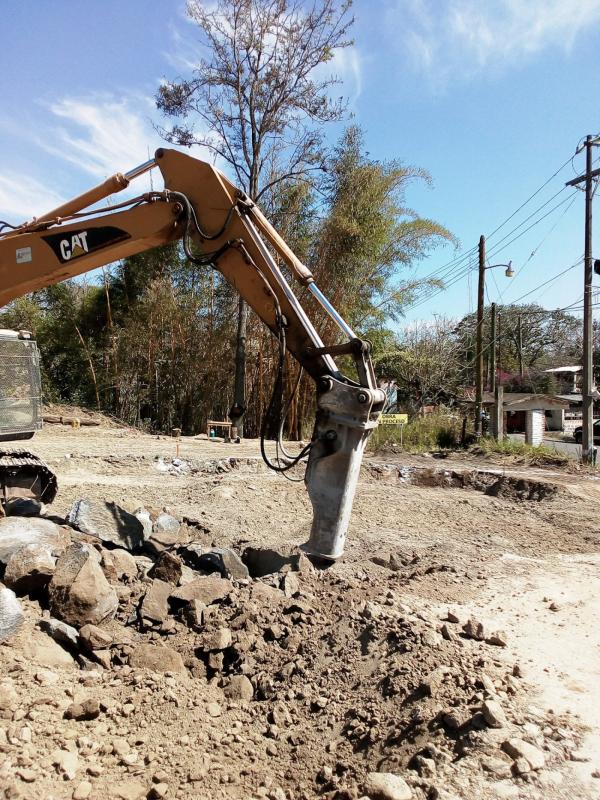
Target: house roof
565, 369
516, 401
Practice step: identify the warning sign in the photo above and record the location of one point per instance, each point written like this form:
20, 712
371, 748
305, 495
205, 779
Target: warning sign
394, 419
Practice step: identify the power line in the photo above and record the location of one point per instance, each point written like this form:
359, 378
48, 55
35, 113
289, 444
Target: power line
459, 267
537, 191
543, 240
550, 280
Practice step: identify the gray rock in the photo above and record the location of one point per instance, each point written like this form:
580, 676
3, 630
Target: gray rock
143, 517
23, 507
386, 786
155, 606
60, 631
166, 533
11, 613
520, 749
156, 658
18, 532
206, 588
215, 559
79, 592
108, 522
290, 585
494, 714
30, 568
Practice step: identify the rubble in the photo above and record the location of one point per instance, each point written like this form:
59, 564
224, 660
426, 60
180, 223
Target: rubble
11, 613
29, 569
165, 532
79, 592
223, 560
60, 631
91, 637
494, 714
200, 675
167, 567
387, 786
156, 658
207, 589
239, 688
108, 522
19, 532
124, 564
520, 750
155, 606
88, 709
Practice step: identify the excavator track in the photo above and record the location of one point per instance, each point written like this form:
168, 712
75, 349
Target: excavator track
23, 474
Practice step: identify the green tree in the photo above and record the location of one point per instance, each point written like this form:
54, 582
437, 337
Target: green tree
547, 339
256, 100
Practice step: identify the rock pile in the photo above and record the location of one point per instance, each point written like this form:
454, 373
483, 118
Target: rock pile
184, 670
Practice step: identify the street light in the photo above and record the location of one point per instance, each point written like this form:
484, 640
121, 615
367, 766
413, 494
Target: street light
509, 272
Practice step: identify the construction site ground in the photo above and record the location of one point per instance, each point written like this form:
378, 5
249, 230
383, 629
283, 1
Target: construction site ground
521, 558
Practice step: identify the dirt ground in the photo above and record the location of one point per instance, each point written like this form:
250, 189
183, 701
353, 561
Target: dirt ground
422, 542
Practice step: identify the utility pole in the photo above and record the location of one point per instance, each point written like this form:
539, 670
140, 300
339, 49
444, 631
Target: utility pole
587, 439
493, 350
479, 341
520, 343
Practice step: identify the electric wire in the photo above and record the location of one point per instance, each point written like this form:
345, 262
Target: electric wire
456, 269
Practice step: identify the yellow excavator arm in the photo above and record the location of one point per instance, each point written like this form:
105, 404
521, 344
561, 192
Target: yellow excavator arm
219, 226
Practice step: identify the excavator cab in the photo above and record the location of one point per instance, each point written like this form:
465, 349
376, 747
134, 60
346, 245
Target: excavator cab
22, 474
20, 386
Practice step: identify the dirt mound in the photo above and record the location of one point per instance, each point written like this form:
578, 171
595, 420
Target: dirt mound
505, 486
299, 684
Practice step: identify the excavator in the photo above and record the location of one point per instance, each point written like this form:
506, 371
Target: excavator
219, 226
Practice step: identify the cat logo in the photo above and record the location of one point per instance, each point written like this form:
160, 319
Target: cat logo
75, 246
78, 243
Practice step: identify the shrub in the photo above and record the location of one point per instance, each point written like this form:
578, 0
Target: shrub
432, 432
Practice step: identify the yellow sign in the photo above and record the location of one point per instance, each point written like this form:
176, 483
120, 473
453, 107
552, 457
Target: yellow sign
394, 419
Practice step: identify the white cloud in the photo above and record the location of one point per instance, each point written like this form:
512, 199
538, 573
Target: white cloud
459, 38
102, 134
347, 66
22, 198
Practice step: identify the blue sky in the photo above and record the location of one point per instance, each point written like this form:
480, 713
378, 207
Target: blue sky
490, 96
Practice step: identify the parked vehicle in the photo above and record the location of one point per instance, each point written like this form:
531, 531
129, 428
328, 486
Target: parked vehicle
578, 433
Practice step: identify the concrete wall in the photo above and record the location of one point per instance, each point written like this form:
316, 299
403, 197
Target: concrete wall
534, 426
555, 420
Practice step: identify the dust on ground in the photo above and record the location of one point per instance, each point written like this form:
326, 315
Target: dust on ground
344, 672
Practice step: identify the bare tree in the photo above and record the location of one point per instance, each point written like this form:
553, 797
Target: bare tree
258, 100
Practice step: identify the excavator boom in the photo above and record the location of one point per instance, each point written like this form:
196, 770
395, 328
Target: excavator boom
221, 227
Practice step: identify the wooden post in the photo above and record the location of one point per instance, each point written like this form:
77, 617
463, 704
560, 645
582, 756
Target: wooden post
479, 353
498, 421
